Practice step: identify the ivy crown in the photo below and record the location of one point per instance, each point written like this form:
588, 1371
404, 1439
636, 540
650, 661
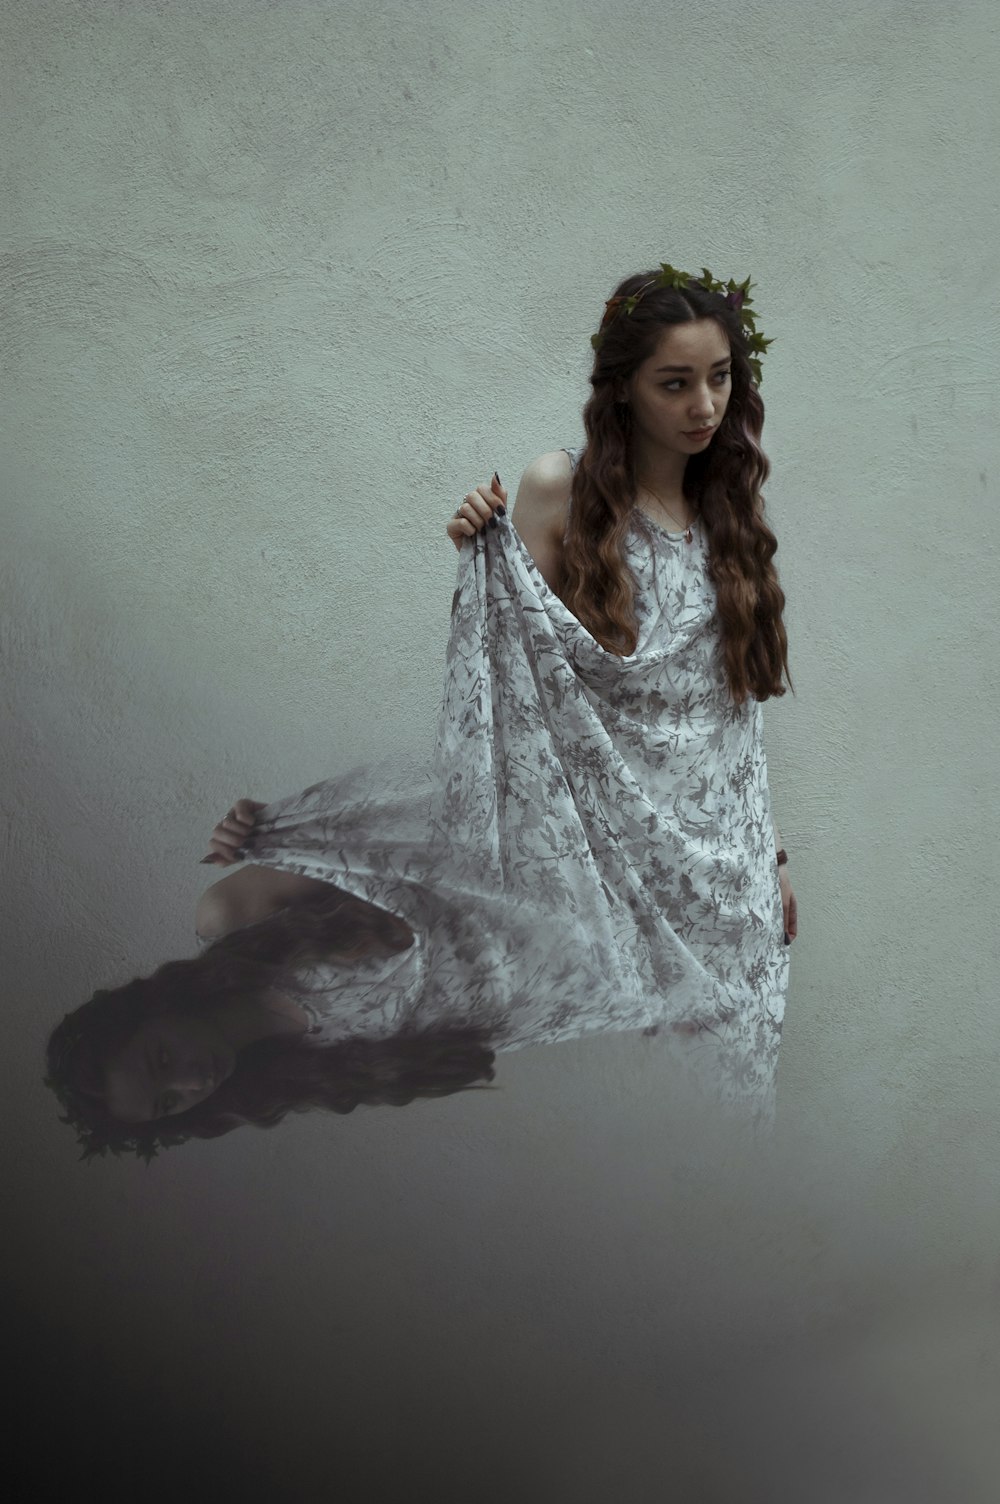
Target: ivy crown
737, 295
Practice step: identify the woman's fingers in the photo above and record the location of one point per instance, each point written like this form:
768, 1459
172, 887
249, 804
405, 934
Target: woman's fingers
232, 831
245, 809
230, 835
458, 530
476, 509
493, 497
476, 512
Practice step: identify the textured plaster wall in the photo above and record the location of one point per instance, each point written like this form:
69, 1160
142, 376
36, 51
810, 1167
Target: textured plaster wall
279, 284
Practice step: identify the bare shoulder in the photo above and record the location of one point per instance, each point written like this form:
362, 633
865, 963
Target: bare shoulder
249, 895
540, 511
546, 483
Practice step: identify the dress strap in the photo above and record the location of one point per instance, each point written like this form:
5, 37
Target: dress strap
574, 456
574, 459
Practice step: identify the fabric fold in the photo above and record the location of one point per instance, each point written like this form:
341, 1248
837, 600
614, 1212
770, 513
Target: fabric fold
590, 847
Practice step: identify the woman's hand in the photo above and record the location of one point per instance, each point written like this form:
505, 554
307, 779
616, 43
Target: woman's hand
789, 907
476, 511
232, 832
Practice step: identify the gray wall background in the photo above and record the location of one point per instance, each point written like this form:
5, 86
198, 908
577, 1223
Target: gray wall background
280, 283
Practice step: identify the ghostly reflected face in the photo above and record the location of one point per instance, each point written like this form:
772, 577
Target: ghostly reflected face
170, 1064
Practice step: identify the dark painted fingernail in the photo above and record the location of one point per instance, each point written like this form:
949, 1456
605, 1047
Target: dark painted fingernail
497, 479
787, 941
493, 522
501, 511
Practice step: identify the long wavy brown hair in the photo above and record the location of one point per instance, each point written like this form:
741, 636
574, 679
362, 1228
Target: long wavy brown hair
273, 1076
722, 483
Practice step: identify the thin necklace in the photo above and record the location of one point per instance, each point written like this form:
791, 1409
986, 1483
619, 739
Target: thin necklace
688, 535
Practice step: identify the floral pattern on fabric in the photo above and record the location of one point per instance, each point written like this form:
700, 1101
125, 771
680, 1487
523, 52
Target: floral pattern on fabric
592, 848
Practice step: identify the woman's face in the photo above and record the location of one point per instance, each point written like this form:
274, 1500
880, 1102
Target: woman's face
668, 405
170, 1064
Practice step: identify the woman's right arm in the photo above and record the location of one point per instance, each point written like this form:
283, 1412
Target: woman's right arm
251, 895
541, 509
540, 512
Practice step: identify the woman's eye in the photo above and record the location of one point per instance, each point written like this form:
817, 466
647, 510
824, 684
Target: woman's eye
677, 381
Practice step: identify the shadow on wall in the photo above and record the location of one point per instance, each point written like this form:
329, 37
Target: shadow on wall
82, 1424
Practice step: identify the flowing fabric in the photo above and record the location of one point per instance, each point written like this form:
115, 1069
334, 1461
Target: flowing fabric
591, 849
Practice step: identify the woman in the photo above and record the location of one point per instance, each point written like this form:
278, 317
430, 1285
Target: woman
591, 850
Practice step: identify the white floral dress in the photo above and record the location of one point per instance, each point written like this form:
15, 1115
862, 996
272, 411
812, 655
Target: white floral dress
592, 849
